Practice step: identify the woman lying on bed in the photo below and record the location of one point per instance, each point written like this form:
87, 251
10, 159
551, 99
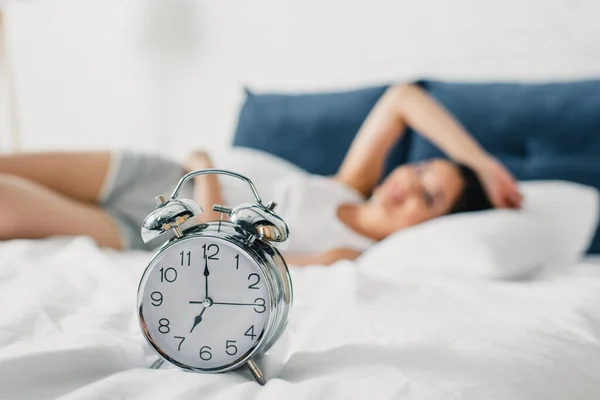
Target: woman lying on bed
106, 195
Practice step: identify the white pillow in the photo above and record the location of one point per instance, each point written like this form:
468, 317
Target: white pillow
554, 228
262, 168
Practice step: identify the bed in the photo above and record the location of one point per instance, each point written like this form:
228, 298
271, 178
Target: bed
68, 331
381, 327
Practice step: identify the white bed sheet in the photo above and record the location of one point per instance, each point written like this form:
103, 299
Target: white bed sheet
68, 330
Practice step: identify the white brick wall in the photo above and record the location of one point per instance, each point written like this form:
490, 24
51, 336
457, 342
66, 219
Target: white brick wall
165, 75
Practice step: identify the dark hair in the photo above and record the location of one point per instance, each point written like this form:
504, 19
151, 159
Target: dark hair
473, 196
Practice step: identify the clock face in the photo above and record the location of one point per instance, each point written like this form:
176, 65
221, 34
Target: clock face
205, 303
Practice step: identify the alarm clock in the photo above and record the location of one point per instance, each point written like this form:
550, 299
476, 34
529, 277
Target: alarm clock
216, 296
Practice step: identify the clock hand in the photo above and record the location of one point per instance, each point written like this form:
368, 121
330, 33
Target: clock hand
206, 274
198, 319
235, 304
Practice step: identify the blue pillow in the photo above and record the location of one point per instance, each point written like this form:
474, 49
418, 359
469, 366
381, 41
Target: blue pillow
540, 131
313, 131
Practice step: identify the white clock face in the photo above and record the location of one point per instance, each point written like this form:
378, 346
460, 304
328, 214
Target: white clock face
205, 303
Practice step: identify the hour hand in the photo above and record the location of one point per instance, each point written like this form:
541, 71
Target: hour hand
198, 319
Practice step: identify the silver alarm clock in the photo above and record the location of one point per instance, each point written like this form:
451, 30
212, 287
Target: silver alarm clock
217, 295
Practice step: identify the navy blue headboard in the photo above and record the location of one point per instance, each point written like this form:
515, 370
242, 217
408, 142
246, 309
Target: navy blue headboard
311, 130
540, 131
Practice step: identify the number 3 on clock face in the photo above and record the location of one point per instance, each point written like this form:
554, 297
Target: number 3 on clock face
205, 303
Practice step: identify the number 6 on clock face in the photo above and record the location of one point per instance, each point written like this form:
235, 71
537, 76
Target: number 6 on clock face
205, 303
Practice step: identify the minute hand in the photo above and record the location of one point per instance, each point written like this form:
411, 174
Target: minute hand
235, 304
206, 274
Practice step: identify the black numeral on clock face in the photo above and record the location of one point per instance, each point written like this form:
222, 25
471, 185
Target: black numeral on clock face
237, 262
205, 353
181, 338
250, 332
183, 257
252, 277
163, 326
169, 275
211, 247
157, 298
260, 305
230, 347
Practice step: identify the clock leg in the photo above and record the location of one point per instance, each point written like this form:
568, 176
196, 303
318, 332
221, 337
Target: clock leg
256, 372
157, 363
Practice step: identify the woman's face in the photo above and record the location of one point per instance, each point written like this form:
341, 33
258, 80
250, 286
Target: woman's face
415, 193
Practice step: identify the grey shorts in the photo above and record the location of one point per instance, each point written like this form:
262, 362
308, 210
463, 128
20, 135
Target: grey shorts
132, 183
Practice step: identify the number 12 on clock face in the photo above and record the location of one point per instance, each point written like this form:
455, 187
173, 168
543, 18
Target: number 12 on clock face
188, 256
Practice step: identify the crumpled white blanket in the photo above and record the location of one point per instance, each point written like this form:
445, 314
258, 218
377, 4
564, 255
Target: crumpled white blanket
68, 330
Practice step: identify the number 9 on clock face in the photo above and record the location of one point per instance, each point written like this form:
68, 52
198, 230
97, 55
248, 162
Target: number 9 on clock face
205, 303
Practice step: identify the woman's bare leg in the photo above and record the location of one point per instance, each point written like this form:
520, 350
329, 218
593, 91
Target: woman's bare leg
30, 210
78, 175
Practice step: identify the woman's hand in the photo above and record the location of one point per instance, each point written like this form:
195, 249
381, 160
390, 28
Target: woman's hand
197, 160
499, 184
207, 190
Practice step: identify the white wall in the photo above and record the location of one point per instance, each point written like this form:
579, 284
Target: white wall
4, 91
166, 75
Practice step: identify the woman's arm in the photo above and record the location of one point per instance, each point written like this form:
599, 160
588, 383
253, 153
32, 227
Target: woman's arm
400, 107
325, 258
207, 191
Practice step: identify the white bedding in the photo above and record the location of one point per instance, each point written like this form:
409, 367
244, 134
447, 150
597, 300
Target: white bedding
68, 331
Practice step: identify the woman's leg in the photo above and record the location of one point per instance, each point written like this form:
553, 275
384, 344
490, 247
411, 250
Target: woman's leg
79, 175
30, 210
